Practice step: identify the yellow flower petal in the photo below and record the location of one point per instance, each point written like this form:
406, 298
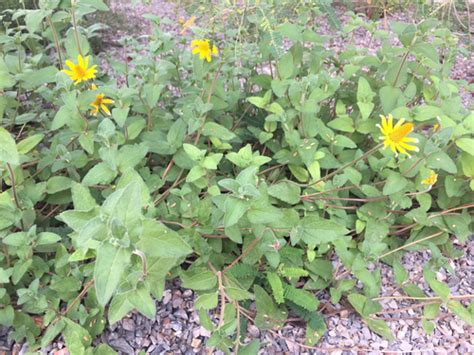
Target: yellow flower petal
204, 49
396, 136
390, 122
105, 109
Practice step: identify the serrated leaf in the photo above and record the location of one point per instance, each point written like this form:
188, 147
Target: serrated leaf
268, 314
277, 287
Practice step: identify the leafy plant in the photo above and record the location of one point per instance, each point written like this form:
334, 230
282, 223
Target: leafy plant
249, 175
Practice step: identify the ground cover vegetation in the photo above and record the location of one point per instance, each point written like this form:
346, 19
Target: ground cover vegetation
263, 170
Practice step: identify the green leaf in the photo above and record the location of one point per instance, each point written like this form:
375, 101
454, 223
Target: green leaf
45, 238
286, 192
343, 142
431, 311
52, 332
157, 240
277, 287
76, 337
440, 160
428, 326
291, 30
440, 288
213, 129
344, 124
195, 173
125, 206
394, 183
315, 230
110, 264
6, 79
28, 144
99, 174
131, 155
119, 307
389, 97
238, 294
427, 112
251, 348
364, 91
315, 329
458, 309
380, 327
299, 172
285, 66
363, 305
193, 152
206, 301
120, 115
104, 349
38, 77
268, 315
302, 298
82, 198
34, 18
234, 209
366, 109
143, 302
7, 314
401, 275
466, 144
199, 279
58, 183
260, 102
8, 149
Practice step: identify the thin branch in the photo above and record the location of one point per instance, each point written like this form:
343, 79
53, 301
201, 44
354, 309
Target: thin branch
86, 288
434, 298
245, 252
411, 244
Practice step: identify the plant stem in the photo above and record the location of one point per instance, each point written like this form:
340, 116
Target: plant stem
12, 178
74, 26
411, 244
79, 296
365, 155
435, 298
56, 41
245, 252
209, 95
401, 67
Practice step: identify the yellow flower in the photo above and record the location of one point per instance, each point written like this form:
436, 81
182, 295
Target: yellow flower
396, 136
188, 24
80, 71
435, 127
100, 102
431, 179
204, 49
